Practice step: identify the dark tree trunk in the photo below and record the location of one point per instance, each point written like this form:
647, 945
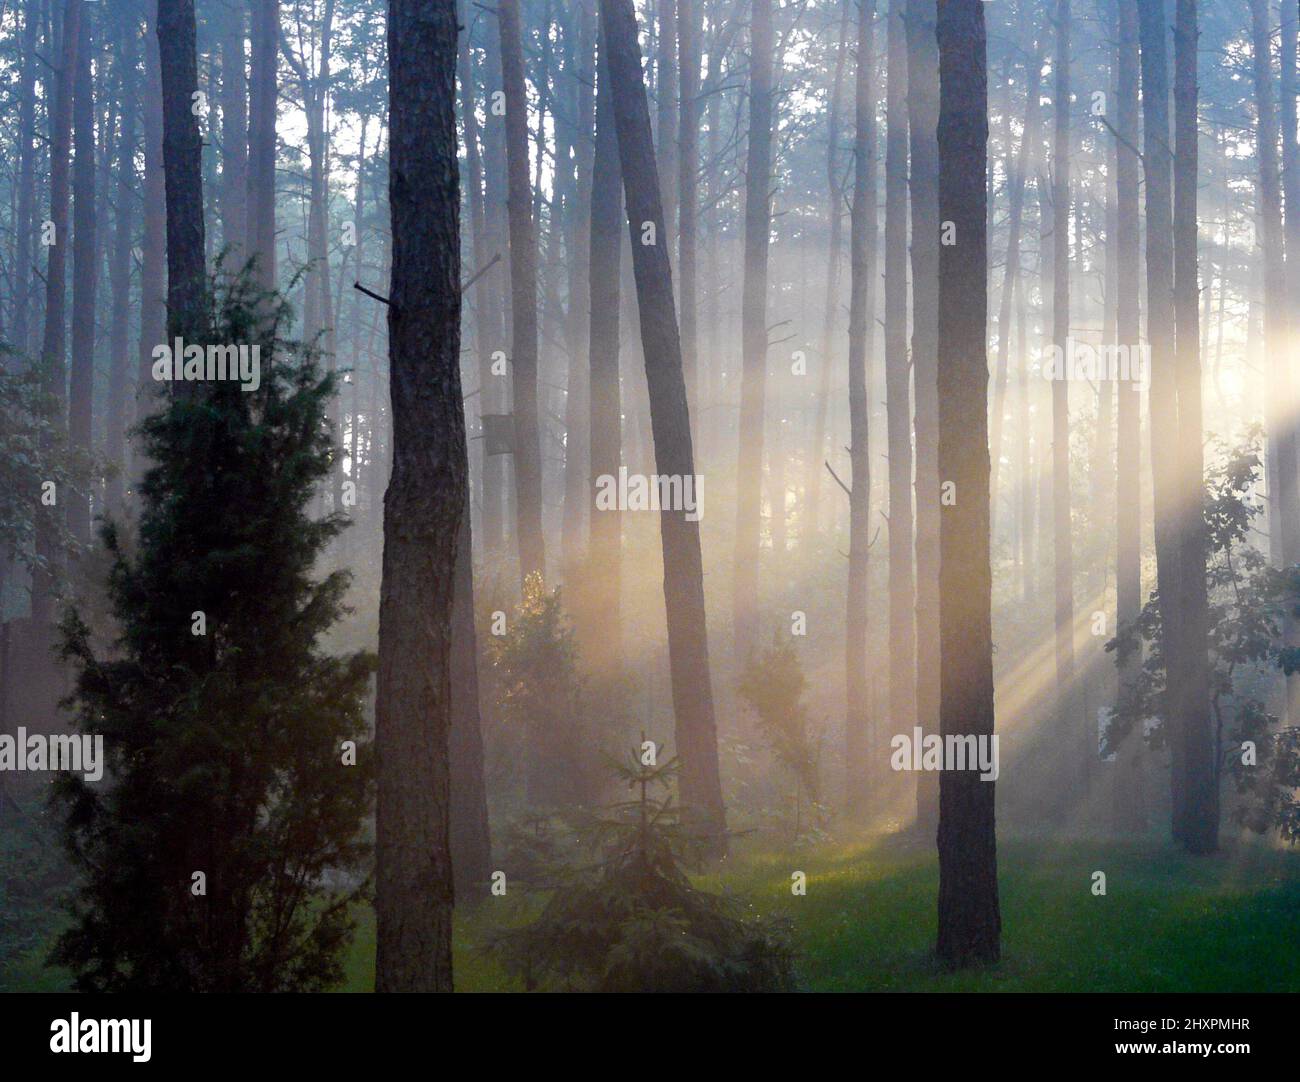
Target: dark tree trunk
667, 119
1201, 828
264, 40
898, 380
84, 258
969, 921
119, 273
688, 648
862, 263
753, 379
923, 121
605, 553
54, 343
523, 293
423, 507
183, 170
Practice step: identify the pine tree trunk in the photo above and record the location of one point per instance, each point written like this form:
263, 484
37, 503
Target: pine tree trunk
969, 920
423, 508
898, 380
23, 261
923, 121
523, 290
862, 263
605, 554
688, 197
84, 275
753, 380
119, 273
262, 95
688, 649
1201, 829
234, 136
183, 170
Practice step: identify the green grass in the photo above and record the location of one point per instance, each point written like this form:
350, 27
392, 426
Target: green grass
1168, 923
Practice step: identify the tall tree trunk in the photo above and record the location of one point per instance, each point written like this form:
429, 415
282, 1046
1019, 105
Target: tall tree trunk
54, 343
523, 290
830, 317
898, 380
688, 648
84, 259
234, 136
23, 261
862, 263
1201, 807
1128, 493
183, 170
1062, 555
753, 380
923, 121
668, 117
423, 508
688, 198
1156, 151
1024, 160
605, 553
262, 96
969, 920
119, 379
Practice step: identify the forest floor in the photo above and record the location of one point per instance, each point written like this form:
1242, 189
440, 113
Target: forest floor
1167, 922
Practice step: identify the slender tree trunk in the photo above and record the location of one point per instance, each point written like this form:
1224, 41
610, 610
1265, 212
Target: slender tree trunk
605, 554
234, 135
1156, 151
23, 261
1201, 829
84, 274
1062, 535
668, 116
688, 648
1128, 493
753, 380
898, 379
923, 122
830, 318
862, 262
423, 508
54, 344
523, 290
969, 920
688, 198
262, 96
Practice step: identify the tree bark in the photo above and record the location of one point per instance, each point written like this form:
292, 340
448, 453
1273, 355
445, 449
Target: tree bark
423, 507
923, 121
753, 380
234, 136
523, 290
262, 97
84, 275
898, 380
688, 648
969, 919
862, 263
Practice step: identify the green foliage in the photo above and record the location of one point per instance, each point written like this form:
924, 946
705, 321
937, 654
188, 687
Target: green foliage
536, 691
33, 876
1249, 603
634, 922
225, 749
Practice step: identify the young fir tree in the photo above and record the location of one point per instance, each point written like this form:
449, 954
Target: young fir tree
235, 747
